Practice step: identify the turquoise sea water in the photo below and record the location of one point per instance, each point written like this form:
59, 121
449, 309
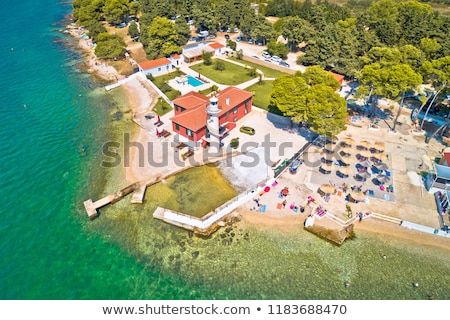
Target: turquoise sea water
50, 164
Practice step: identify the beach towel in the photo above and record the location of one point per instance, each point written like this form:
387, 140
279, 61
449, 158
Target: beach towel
386, 197
279, 205
295, 209
371, 193
274, 184
339, 193
262, 208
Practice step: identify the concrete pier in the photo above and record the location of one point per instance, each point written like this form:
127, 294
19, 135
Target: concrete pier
91, 207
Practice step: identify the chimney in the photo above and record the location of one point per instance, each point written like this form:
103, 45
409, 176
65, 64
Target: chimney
227, 100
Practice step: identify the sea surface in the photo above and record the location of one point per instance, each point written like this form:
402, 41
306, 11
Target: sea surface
54, 121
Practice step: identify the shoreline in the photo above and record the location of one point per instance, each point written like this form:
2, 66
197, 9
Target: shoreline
141, 101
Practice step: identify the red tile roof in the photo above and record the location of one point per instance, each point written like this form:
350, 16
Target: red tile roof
195, 117
235, 95
176, 56
150, 64
338, 77
216, 45
191, 100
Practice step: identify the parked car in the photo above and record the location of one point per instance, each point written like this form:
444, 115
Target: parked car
247, 130
276, 59
227, 36
259, 42
121, 25
238, 39
268, 60
284, 64
255, 57
211, 36
251, 41
235, 30
266, 55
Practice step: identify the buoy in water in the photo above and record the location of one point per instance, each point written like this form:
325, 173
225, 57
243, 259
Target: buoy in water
347, 284
416, 284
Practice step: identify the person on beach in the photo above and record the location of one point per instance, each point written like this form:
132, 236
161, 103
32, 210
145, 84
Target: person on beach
284, 203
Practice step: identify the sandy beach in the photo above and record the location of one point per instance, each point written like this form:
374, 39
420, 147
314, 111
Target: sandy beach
412, 202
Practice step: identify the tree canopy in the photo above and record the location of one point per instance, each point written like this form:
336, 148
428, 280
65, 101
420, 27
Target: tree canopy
163, 38
311, 97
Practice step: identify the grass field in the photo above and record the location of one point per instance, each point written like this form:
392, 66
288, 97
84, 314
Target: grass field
261, 98
268, 72
232, 75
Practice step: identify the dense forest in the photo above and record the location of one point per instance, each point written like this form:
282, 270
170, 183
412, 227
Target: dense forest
390, 46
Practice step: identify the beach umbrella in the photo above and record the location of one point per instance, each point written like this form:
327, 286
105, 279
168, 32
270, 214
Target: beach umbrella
345, 162
365, 164
365, 144
346, 151
383, 178
327, 188
327, 167
346, 171
364, 153
381, 157
348, 141
379, 146
157, 132
329, 148
285, 191
357, 195
363, 175
382, 166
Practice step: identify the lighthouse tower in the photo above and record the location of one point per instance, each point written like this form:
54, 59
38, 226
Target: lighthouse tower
213, 123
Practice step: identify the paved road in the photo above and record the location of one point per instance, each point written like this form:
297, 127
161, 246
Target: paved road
255, 50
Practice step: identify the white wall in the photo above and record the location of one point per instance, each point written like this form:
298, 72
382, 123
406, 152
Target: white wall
157, 71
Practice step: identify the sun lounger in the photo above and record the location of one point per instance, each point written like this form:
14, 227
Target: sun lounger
165, 133
181, 146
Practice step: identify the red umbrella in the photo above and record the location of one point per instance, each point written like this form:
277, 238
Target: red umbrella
285, 191
159, 119
157, 132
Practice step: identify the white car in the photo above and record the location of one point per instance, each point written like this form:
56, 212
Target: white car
276, 59
266, 55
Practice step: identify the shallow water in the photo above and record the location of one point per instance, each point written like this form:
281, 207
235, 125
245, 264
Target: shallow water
51, 155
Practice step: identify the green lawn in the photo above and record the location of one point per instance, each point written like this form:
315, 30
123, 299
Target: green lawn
162, 107
268, 72
261, 98
160, 80
231, 76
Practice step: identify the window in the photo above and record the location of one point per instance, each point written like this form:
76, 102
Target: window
189, 132
235, 109
176, 108
227, 115
246, 102
159, 69
177, 126
235, 119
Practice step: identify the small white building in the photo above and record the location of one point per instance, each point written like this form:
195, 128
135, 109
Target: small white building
176, 60
219, 48
156, 67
